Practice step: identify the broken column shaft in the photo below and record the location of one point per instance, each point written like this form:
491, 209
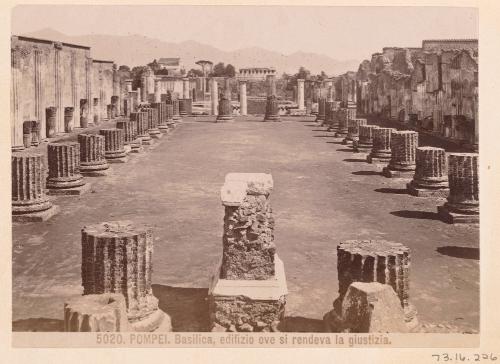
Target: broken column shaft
153, 130
141, 118
114, 149
365, 141
225, 112
404, 144
64, 177
272, 109
92, 159
321, 109
463, 201
176, 115
29, 201
381, 150
431, 173
342, 124
117, 258
353, 130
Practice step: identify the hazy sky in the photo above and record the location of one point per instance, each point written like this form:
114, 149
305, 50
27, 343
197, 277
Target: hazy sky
340, 32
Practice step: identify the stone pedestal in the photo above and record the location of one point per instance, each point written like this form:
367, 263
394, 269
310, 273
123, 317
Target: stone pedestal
153, 130
125, 250
342, 128
365, 142
381, 151
176, 115
92, 159
463, 201
373, 261
248, 290
321, 109
64, 177
105, 312
225, 111
185, 107
431, 173
141, 118
403, 150
114, 150
353, 130
29, 201
272, 109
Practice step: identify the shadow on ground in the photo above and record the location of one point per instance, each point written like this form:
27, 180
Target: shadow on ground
416, 214
459, 252
345, 150
367, 173
397, 191
187, 307
354, 160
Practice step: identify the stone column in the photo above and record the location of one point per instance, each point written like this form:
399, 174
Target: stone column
367, 261
272, 109
114, 106
29, 201
92, 158
114, 150
404, 145
227, 89
39, 90
16, 124
185, 88
185, 107
365, 143
247, 291
225, 110
176, 116
321, 110
97, 115
300, 94
353, 130
141, 118
431, 173
463, 201
64, 177
105, 312
381, 151
328, 113
153, 130
144, 88
342, 122
271, 84
129, 131
124, 250
58, 87
214, 97
243, 98
157, 91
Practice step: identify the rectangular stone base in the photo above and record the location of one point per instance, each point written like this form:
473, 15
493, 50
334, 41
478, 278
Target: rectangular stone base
37, 216
375, 160
454, 218
422, 192
147, 142
247, 305
389, 173
101, 173
157, 135
75, 191
118, 160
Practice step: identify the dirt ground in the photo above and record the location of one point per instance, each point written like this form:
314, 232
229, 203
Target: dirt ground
323, 194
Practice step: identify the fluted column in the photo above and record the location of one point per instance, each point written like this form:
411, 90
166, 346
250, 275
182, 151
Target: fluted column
115, 106
68, 119
431, 173
353, 130
176, 115
92, 158
153, 130
157, 91
380, 261
114, 149
300, 94
29, 201
381, 151
328, 113
342, 123
117, 257
463, 200
141, 118
225, 110
15, 122
272, 109
404, 144
64, 177
365, 142
243, 98
129, 128
214, 97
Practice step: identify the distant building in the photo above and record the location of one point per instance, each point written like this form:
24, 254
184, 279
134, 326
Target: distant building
172, 65
255, 73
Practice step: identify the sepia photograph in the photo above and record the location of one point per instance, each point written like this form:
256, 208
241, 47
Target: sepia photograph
245, 176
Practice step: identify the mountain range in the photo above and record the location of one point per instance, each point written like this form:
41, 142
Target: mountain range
134, 50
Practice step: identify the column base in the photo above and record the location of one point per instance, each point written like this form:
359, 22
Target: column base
224, 118
94, 169
158, 321
247, 305
136, 147
272, 118
39, 216
145, 140
392, 173
73, 191
163, 129
123, 159
418, 191
155, 133
451, 217
378, 160
17, 148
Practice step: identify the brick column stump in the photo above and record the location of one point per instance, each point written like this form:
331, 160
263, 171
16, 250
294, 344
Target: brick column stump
129, 133
431, 174
342, 124
225, 111
29, 200
117, 258
462, 206
247, 291
353, 130
404, 145
272, 109
141, 118
176, 116
114, 149
64, 177
381, 150
93, 162
320, 118
365, 141
368, 261
153, 130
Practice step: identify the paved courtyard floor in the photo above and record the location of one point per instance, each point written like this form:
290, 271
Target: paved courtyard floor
323, 194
